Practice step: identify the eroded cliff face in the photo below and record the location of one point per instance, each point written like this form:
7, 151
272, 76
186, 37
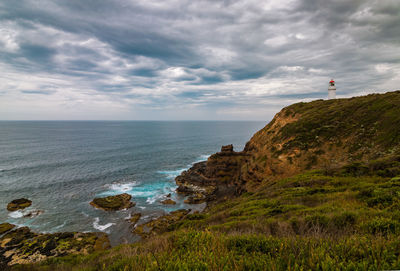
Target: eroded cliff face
304, 136
215, 178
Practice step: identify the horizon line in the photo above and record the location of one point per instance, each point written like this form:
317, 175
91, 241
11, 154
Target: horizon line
127, 120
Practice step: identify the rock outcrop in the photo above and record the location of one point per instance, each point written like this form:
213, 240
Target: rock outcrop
18, 204
135, 218
168, 202
160, 224
323, 134
5, 227
22, 246
113, 203
212, 179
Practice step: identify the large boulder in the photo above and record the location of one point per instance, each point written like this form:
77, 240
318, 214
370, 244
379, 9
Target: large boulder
18, 204
168, 202
113, 203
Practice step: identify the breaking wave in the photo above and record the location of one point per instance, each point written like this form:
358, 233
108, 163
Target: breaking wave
99, 227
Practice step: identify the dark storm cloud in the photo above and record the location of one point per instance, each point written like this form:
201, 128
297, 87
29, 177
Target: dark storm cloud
184, 54
40, 92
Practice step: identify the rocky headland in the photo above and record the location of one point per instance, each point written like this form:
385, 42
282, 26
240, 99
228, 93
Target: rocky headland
303, 136
320, 173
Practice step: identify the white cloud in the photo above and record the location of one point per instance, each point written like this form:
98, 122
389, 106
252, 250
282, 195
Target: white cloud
208, 59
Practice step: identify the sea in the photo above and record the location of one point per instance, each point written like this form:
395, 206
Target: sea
62, 165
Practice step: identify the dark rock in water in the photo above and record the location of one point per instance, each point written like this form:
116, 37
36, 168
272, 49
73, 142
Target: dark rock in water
113, 203
5, 227
161, 224
169, 195
18, 204
34, 213
168, 202
227, 148
135, 218
22, 246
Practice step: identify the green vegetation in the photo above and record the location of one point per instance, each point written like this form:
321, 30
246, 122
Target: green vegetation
375, 119
347, 219
343, 215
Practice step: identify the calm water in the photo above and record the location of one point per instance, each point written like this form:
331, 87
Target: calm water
62, 166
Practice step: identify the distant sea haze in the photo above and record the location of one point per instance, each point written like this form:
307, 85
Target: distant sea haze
62, 165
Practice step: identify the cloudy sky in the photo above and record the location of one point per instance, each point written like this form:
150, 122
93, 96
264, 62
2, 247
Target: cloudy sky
190, 60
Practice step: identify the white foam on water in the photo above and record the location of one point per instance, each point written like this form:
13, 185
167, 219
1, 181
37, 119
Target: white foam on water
122, 187
151, 200
60, 226
142, 194
202, 158
99, 227
16, 214
173, 173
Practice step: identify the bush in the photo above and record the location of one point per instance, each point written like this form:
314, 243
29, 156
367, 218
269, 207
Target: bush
345, 219
318, 220
381, 225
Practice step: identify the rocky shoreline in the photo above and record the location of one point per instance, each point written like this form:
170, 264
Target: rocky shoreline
23, 246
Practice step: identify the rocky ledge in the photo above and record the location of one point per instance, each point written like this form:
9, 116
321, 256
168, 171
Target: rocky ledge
18, 204
135, 218
161, 224
22, 246
113, 203
5, 227
168, 202
212, 179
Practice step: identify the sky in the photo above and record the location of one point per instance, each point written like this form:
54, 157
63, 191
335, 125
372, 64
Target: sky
190, 60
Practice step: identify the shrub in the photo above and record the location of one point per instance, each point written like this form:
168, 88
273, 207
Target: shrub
344, 220
318, 220
381, 225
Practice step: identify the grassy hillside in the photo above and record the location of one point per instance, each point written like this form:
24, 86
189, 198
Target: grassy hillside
323, 193
346, 219
324, 134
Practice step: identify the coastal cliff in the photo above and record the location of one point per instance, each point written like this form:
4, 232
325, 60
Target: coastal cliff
323, 134
318, 188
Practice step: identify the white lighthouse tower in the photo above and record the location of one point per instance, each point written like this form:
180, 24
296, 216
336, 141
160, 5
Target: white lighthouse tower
332, 90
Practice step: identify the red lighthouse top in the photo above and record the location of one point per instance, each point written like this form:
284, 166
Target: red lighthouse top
332, 81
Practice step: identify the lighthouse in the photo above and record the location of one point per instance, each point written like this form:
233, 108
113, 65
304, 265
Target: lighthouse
332, 90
